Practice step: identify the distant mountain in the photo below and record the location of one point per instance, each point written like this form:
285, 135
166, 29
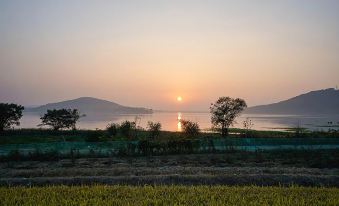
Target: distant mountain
315, 102
91, 106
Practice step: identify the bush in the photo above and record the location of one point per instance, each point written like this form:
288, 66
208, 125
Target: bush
112, 129
95, 136
191, 129
126, 128
154, 129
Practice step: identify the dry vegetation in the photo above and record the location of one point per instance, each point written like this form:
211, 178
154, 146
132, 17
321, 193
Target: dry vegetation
212, 169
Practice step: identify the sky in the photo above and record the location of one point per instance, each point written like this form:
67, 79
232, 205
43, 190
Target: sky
147, 53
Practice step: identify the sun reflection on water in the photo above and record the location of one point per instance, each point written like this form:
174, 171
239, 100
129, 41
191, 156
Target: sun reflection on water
179, 122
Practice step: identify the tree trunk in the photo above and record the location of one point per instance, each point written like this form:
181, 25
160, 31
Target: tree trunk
224, 131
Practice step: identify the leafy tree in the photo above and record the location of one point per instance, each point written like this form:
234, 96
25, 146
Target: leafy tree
10, 115
190, 128
61, 118
154, 129
224, 111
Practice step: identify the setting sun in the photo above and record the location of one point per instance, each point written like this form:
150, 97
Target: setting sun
179, 99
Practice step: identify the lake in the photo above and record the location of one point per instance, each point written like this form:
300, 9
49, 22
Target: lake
171, 121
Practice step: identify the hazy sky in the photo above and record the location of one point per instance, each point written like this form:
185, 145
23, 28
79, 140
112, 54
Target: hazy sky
146, 53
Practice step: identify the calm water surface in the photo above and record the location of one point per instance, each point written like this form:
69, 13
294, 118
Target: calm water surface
171, 121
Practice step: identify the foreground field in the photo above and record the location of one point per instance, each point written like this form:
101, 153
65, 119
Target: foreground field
168, 195
206, 161
269, 168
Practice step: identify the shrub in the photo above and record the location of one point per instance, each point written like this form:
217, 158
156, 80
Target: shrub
95, 136
126, 128
247, 126
154, 129
112, 129
190, 128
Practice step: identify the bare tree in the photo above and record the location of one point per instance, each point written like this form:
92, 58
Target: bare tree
247, 125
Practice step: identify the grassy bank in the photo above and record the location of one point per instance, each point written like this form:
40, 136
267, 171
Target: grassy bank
168, 195
48, 145
26, 136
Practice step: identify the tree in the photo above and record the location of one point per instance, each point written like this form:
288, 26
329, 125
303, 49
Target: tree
61, 118
10, 115
154, 129
190, 128
224, 111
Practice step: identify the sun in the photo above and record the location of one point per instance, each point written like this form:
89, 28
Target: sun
179, 99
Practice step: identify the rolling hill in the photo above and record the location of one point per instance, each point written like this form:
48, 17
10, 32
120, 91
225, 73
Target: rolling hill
315, 102
91, 106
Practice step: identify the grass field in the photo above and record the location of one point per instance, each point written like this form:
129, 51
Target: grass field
168, 195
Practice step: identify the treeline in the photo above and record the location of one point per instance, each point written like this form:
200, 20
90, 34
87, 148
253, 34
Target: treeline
57, 119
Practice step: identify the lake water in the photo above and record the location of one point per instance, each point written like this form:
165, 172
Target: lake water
171, 121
